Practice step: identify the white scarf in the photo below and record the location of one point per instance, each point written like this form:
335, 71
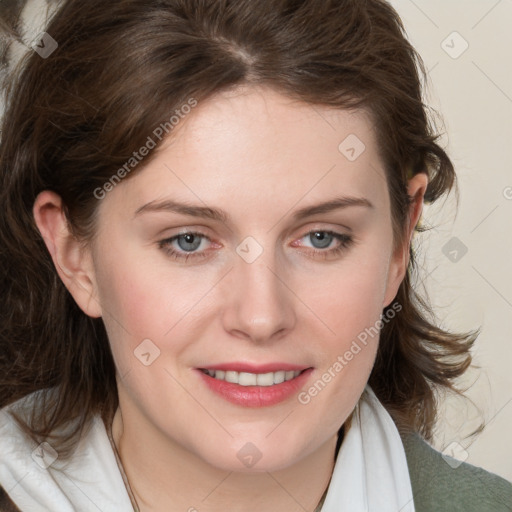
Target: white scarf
370, 473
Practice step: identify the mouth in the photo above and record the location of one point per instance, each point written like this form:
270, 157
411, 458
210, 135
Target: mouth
255, 386
253, 379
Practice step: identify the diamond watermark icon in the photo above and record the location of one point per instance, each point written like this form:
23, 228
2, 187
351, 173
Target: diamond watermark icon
44, 455
147, 352
249, 250
454, 45
352, 147
454, 249
454, 454
249, 455
44, 45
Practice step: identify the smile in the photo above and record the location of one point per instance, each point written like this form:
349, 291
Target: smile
259, 388
253, 379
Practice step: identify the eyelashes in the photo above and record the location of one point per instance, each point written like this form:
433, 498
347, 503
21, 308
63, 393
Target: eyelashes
184, 246
344, 242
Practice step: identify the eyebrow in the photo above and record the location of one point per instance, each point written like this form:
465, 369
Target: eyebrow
169, 205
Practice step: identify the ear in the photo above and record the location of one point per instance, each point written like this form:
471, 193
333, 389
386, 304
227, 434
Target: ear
72, 261
416, 188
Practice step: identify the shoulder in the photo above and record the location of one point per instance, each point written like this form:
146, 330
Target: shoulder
442, 483
38, 478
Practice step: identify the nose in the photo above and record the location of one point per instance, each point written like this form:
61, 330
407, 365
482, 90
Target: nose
259, 303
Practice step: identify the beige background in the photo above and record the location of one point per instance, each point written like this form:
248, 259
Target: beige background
472, 88
473, 92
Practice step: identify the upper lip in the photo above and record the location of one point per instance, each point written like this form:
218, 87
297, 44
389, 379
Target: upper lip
255, 368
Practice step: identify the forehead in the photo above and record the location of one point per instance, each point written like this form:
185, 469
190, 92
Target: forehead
254, 145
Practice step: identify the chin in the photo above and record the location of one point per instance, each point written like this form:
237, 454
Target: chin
248, 458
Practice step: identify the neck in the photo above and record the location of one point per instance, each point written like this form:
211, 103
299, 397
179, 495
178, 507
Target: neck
165, 476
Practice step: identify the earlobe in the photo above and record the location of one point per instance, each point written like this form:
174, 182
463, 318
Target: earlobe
416, 189
72, 262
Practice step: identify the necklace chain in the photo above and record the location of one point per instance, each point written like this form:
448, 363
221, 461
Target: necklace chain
127, 485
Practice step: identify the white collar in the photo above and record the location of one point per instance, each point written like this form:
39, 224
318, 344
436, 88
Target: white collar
370, 473
91, 481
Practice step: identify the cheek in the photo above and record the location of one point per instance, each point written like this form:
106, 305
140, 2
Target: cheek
138, 289
349, 298
350, 304
132, 301
150, 298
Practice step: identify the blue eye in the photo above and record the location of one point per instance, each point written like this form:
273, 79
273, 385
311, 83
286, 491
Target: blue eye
322, 240
190, 244
189, 241
184, 245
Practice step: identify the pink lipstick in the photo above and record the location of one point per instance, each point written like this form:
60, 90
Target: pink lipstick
251, 385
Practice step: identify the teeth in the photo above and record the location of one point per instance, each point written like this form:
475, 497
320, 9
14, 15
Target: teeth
265, 379
230, 377
289, 375
253, 379
247, 379
278, 377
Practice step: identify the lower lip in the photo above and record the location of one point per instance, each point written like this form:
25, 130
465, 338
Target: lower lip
256, 396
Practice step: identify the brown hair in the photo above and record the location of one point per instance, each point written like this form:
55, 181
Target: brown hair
121, 68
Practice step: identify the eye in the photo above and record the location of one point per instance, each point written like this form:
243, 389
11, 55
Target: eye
321, 239
193, 244
185, 245
326, 243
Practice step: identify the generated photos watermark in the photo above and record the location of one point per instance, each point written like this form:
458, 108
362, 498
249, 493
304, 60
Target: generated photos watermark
304, 397
161, 131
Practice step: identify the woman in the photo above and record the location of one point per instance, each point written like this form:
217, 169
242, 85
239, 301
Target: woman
206, 265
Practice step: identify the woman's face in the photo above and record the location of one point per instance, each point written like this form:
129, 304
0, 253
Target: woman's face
268, 282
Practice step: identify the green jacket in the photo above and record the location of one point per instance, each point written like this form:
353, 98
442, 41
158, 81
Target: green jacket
440, 487
437, 486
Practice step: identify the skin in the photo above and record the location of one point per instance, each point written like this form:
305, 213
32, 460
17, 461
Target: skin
260, 157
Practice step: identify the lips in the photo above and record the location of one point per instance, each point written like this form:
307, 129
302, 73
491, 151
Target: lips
255, 386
